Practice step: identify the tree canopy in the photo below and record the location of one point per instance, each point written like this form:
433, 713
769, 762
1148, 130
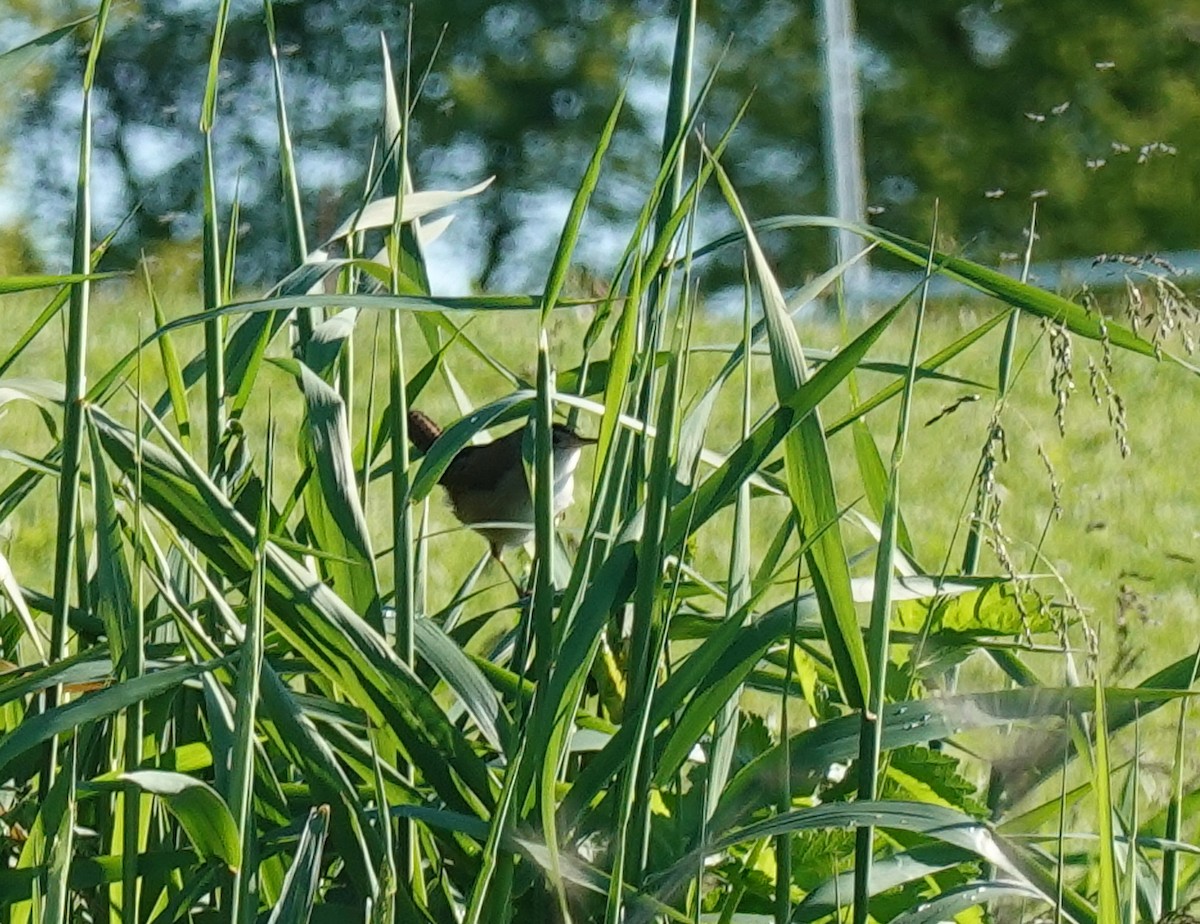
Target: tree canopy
1090, 107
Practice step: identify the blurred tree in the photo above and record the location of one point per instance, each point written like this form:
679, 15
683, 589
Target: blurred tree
1088, 104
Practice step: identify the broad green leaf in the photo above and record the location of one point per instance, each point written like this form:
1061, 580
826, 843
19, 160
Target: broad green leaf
949, 904
886, 872
836, 741
331, 500
934, 821
997, 608
200, 810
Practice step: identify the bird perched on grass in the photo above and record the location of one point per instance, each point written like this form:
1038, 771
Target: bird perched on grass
486, 484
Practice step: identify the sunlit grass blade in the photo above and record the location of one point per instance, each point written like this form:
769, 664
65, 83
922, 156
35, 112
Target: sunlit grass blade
333, 514
570, 232
75, 388
303, 876
1020, 295
200, 810
11, 284
879, 629
294, 215
11, 589
810, 478
1108, 909
214, 327
55, 305
93, 706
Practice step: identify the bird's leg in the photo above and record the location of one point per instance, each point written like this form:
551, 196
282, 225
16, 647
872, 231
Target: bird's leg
508, 574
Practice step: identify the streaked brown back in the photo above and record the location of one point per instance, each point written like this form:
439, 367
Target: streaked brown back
422, 431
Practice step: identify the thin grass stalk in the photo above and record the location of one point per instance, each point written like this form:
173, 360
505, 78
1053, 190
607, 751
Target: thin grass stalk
783, 804
879, 631
214, 347
403, 560
1131, 855
679, 94
1108, 904
648, 622
74, 392
653, 308
740, 584
970, 563
541, 611
134, 667
294, 215
1174, 825
244, 903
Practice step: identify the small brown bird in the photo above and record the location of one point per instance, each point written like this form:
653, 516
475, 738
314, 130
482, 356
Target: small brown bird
486, 484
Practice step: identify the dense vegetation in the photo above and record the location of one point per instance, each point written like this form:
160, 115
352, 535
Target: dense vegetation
242, 685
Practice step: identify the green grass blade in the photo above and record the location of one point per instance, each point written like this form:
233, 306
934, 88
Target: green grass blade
14, 284
93, 706
173, 372
15, 59
299, 888
879, 628
200, 810
11, 284
332, 510
1030, 299
810, 478
76, 387
58, 886
583, 195
1109, 903
242, 906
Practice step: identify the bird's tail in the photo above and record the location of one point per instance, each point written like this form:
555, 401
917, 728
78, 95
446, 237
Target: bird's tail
422, 431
